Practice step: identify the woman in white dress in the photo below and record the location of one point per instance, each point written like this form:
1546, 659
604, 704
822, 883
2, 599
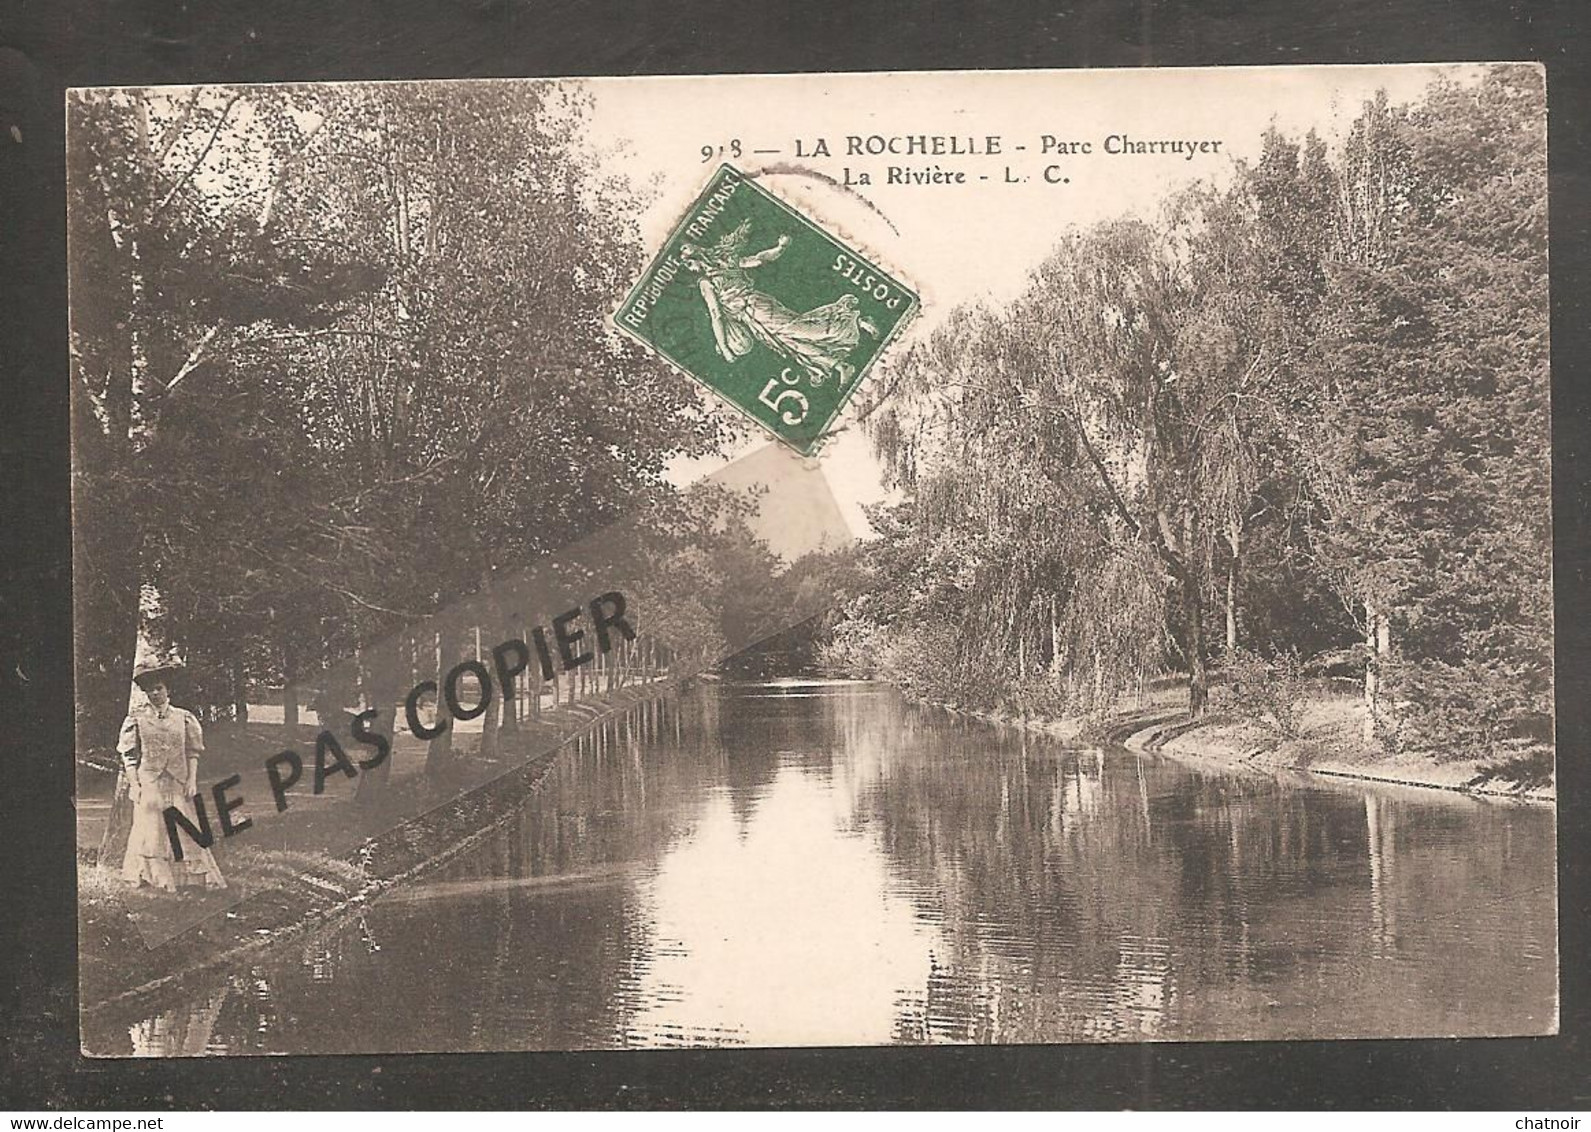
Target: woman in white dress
160, 745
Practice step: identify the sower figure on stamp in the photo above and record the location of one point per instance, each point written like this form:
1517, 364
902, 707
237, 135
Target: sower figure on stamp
160, 747
817, 341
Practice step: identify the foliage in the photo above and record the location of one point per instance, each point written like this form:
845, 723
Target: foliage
1268, 691
1434, 356
1310, 403
1299, 412
373, 305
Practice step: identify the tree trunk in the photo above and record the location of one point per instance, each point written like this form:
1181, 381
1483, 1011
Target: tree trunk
1234, 536
1231, 608
289, 695
557, 688
533, 676
489, 728
107, 521
382, 674
1055, 635
1198, 673
491, 717
240, 692
106, 542
1372, 669
439, 751
1193, 612
510, 714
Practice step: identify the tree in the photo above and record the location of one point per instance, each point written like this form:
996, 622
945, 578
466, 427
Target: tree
166, 243
356, 365
1435, 354
1315, 396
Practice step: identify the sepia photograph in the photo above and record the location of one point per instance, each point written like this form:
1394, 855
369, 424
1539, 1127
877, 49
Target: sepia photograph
812, 560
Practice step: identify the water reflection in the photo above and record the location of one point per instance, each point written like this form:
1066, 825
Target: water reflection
821, 864
773, 924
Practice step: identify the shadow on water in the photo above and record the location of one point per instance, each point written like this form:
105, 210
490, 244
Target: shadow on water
820, 863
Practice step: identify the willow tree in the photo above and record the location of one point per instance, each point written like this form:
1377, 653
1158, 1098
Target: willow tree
1124, 399
1252, 259
1006, 540
1110, 417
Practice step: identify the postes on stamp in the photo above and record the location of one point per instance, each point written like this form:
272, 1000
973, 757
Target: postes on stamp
762, 306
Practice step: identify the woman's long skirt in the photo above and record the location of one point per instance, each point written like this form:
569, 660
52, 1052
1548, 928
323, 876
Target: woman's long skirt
149, 859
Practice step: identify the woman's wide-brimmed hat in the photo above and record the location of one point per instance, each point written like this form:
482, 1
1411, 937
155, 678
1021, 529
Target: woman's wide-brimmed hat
147, 670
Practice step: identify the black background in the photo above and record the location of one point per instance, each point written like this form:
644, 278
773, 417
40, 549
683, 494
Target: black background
48, 45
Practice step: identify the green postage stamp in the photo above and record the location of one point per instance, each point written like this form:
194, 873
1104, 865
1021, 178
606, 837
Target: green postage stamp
766, 309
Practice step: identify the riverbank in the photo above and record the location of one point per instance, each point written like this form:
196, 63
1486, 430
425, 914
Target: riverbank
880, 873
1329, 743
291, 892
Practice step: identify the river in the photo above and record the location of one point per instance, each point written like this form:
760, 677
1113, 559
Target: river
809, 863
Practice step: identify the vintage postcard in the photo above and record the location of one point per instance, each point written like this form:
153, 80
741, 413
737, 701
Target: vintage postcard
1000, 557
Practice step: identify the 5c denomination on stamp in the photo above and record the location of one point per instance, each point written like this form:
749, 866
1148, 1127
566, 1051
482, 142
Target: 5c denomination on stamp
769, 311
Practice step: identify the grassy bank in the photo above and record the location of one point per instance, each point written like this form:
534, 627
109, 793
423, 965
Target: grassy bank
1329, 741
288, 892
